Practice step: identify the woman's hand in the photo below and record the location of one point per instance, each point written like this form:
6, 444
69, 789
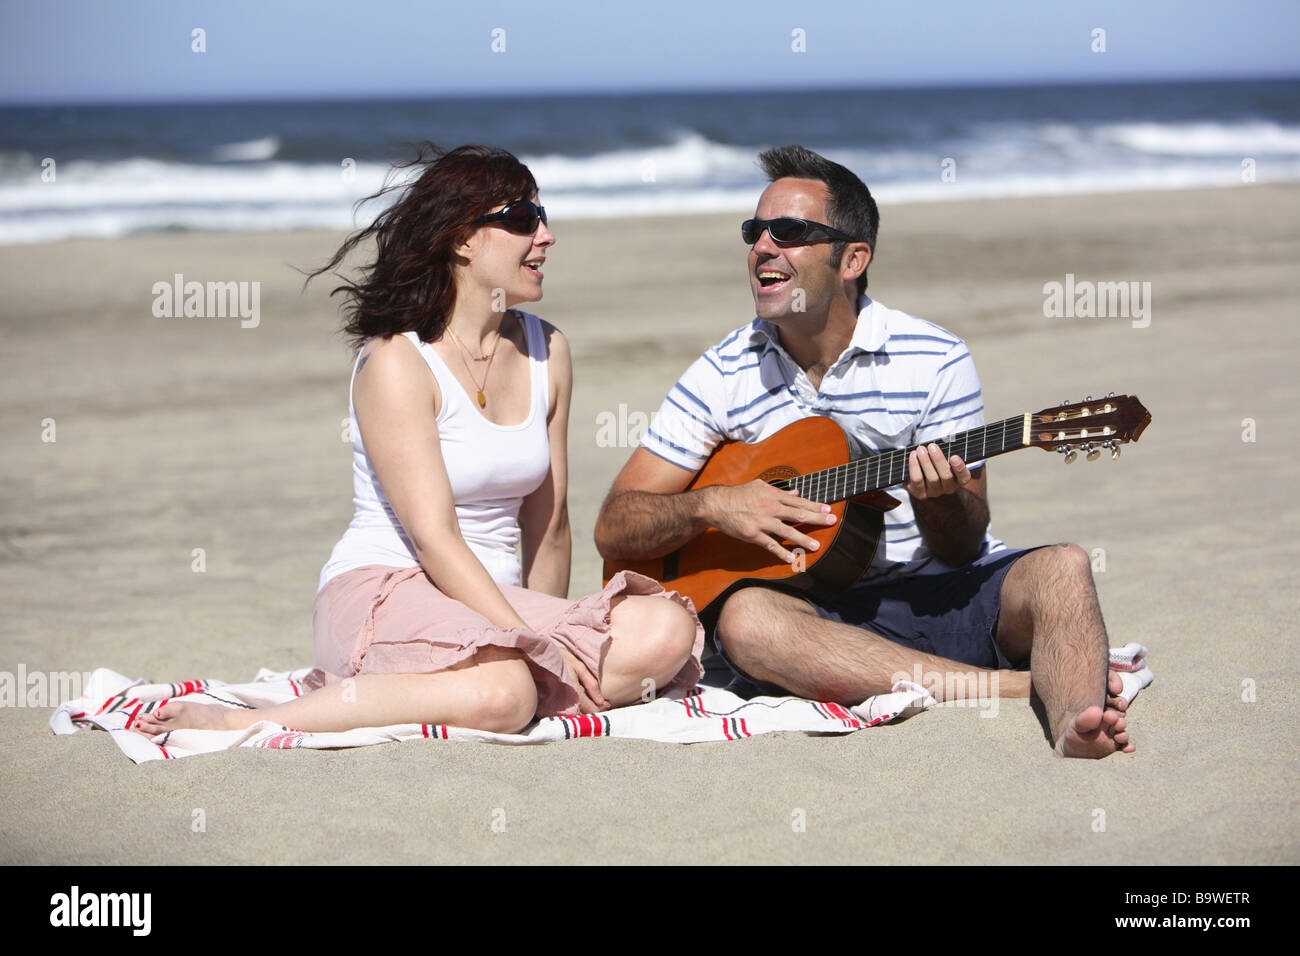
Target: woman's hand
590, 699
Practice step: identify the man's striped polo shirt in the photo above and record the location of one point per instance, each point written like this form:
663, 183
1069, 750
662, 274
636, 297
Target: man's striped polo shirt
900, 382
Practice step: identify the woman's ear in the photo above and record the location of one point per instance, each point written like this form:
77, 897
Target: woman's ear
467, 248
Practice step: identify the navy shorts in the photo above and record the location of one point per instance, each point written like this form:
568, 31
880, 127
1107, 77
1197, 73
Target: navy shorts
952, 615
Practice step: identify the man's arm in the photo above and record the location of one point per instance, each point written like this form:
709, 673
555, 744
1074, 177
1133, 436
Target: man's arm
647, 514
949, 500
950, 503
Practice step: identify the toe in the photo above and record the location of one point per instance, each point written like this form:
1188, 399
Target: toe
1089, 720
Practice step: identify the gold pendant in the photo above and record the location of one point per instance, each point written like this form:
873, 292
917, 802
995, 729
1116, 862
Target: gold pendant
482, 402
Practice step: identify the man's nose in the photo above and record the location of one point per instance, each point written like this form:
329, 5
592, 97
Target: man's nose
764, 244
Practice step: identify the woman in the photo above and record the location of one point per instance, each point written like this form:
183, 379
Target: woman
459, 418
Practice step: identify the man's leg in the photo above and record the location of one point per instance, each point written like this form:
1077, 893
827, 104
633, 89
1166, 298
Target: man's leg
779, 639
1050, 614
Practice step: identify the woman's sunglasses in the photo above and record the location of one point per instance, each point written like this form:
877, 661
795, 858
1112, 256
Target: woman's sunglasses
789, 232
521, 217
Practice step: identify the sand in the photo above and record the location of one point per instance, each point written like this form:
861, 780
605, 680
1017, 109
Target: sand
176, 434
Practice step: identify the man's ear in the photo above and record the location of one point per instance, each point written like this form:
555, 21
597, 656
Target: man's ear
857, 256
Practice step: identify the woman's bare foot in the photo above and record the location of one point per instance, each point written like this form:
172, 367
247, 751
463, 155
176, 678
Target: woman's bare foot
178, 714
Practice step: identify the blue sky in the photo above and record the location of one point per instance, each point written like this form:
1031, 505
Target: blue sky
140, 50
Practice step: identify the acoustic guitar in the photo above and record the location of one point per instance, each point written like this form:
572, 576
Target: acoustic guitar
812, 457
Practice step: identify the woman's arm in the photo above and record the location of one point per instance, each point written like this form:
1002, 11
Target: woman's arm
544, 515
396, 401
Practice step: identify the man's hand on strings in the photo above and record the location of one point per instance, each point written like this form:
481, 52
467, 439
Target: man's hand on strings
764, 515
930, 475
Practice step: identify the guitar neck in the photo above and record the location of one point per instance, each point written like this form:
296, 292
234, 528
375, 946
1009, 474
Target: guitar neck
875, 472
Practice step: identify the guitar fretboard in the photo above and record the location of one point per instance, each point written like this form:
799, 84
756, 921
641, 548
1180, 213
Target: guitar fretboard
874, 472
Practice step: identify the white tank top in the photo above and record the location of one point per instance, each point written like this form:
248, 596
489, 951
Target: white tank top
491, 467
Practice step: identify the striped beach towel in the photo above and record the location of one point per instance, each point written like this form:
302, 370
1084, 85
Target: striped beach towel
113, 702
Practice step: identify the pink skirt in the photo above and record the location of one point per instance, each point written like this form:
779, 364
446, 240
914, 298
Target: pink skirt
385, 620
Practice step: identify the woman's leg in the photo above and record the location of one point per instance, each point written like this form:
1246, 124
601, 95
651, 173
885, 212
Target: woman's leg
493, 690
653, 638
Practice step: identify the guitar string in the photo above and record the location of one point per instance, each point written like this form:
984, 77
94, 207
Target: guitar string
828, 480
820, 483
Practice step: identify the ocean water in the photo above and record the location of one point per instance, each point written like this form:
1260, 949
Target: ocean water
109, 171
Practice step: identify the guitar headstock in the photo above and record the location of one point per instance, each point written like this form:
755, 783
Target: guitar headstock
1089, 426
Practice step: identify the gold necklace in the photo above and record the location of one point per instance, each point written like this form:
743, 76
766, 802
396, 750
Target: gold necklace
482, 399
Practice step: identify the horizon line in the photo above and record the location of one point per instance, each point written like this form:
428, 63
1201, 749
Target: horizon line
605, 93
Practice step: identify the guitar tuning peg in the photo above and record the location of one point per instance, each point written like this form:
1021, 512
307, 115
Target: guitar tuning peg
1110, 394
1087, 398
1093, 453
1070, 455
1114, 451
1065, 402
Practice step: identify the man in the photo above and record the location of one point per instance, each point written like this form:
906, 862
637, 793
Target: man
942, 596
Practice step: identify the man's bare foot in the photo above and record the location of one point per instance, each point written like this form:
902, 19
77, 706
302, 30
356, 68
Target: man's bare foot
1094, 732
178, 714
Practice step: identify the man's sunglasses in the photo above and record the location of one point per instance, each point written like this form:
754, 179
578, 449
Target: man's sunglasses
521, 217
789, 232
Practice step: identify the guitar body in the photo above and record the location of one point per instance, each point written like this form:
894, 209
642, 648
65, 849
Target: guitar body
708, 568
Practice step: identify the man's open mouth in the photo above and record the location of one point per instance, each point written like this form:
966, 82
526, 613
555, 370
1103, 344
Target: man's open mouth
772, 278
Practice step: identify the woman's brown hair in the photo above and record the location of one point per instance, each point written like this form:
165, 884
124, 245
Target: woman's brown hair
411, 285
